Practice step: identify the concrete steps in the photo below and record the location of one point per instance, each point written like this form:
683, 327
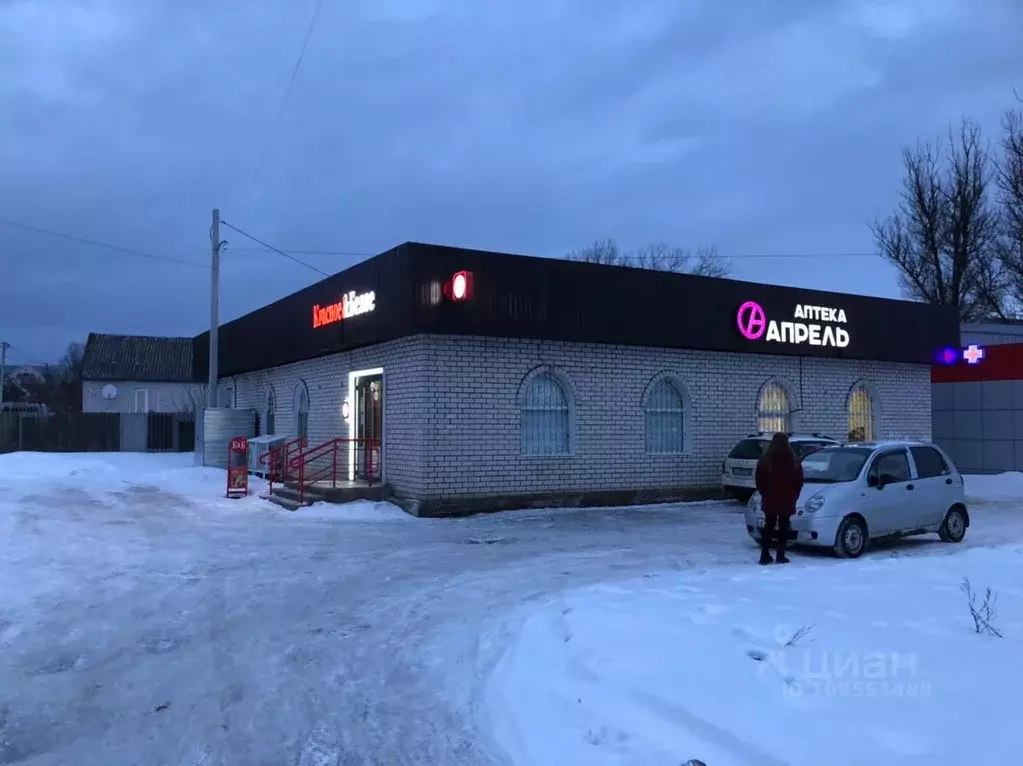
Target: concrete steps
287, 496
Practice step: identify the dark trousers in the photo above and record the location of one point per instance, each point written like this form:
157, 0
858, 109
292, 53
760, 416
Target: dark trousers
776, 527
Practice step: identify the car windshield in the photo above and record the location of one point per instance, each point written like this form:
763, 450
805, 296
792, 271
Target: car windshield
802, 449
749, 449
832, 465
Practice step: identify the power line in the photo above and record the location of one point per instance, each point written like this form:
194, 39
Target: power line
291, 253
284, 101
296, 251
624, 256
746, 256
104, 245
274, 249
21, 352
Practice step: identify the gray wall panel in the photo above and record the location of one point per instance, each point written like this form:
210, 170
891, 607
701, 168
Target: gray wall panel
969, 454
968, 424
997, 424
980, 425
942, 426
999, 455
941, 396
998, 394
968, 396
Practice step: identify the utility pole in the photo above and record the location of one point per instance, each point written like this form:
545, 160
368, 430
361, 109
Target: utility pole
3, 370
212, 383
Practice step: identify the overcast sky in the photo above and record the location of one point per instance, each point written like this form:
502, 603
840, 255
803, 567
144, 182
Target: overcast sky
535, 126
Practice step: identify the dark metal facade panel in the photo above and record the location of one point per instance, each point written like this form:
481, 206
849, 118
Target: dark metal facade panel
283, 332
552, 299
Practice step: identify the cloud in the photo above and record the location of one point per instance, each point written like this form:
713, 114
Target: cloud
532, 127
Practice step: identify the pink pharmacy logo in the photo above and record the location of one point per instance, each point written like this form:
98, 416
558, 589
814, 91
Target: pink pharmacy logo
813, 325
751, 320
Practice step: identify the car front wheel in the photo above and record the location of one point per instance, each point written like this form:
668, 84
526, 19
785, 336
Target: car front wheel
851, 540
953, 528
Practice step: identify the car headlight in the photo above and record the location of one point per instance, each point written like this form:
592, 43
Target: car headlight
754, 502
814, 504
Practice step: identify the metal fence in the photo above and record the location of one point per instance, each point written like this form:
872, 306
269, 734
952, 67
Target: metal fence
96, 432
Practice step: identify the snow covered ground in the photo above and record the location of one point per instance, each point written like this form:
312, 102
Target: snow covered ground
146, 619
870, 661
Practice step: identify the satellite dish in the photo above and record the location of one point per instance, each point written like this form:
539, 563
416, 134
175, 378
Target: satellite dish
109, 391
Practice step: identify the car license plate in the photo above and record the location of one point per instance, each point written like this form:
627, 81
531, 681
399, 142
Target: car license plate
742, 471
760, 523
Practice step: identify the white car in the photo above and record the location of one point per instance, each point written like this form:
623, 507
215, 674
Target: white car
738, 468
859, 492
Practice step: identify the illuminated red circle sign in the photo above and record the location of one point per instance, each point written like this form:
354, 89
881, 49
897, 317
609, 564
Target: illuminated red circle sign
751, 320
458, 287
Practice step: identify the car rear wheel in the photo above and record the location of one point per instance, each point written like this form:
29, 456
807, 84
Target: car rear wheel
953, 528
851, 540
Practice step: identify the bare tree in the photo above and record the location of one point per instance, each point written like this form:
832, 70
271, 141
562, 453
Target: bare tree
1010, 188
603, 251
657, 256
71, 362
57, 386
944, 237
192, 399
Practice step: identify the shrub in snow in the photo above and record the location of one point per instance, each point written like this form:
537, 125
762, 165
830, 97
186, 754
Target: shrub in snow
982, 611
799, 635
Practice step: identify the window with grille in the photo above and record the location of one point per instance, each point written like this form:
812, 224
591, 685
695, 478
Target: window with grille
545, 417
302, 410
774, 409
665, 419
861, 415
269, 420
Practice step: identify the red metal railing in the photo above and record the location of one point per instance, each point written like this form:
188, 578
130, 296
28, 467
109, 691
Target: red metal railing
276, 461
329, 460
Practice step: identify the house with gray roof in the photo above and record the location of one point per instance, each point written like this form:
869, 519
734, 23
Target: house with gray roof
139, 374
148, 383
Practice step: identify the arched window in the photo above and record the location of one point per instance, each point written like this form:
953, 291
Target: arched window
774, 409
301, 406
269, 412
545, 416
861, 414
665, 418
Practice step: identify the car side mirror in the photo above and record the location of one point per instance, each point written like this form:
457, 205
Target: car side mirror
873, 480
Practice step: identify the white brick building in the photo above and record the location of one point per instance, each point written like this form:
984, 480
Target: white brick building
480, 410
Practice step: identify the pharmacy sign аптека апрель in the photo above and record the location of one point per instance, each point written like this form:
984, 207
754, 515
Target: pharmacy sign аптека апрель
814, 325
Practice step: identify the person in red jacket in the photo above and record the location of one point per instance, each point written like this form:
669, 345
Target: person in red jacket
779, 480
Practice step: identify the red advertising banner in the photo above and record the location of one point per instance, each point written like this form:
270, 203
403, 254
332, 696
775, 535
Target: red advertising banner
238, 467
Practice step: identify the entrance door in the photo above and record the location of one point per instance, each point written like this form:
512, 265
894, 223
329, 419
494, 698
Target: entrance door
369, 426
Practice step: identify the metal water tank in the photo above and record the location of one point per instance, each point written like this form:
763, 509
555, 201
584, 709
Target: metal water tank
220, 425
